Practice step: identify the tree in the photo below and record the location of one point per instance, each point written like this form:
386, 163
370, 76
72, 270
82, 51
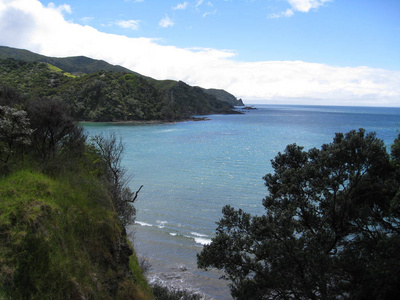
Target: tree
110, 151
56, 132
14, 131
331, 229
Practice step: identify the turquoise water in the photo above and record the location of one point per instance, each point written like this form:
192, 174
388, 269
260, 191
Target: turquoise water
190, 170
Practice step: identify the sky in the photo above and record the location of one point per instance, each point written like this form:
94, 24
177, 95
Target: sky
318, 52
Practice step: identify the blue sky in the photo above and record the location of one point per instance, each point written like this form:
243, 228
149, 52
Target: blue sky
340, 52
340, 32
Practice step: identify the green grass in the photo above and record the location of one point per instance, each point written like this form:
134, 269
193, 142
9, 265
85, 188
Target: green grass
144, 290
58, 70
59, 239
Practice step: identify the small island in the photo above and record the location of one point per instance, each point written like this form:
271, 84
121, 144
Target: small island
249, 108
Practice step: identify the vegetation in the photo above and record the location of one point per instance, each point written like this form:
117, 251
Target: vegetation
75, 65
109, 96
224, 96
166, 293
103, 92
62, 232
331, 229
65, 199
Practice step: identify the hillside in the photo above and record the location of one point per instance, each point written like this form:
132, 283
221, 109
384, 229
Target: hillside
110, 96
83, 65
56, 231
224, 96
74, 65
64, 207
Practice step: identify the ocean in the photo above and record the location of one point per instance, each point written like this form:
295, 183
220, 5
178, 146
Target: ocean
191, 170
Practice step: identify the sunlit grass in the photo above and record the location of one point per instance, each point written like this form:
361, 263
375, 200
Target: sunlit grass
56, 69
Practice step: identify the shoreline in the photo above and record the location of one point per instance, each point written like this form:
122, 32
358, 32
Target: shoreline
151, 122
145, 122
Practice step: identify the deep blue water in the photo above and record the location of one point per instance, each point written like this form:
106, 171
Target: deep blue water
190, 170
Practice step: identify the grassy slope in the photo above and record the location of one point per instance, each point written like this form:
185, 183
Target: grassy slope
76, 64
61, 239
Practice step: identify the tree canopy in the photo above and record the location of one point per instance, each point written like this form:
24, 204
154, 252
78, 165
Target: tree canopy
331, 228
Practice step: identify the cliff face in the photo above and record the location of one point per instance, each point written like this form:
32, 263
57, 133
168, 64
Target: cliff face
224, 96
183, 98
62, 209
58, 240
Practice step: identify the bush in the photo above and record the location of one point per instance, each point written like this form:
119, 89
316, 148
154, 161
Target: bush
166, 293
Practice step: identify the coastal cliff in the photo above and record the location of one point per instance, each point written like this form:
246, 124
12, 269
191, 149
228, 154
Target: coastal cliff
58, 241
64, 206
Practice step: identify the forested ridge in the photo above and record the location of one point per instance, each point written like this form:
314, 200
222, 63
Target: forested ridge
109, 93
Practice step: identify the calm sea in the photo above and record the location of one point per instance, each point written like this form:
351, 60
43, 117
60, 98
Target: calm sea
190, 170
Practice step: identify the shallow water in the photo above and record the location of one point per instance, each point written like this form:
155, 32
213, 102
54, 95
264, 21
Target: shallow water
190, 170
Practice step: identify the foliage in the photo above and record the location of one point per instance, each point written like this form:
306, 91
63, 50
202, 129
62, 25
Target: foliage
110, 151
31, 79
57, 231
14, 131
166, 293
144, 289
61, 236
55, 132
108, 95
224, 96
184, 99
77, 64
330, 230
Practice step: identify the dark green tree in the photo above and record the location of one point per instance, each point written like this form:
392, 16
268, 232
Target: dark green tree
55, 132
330, 229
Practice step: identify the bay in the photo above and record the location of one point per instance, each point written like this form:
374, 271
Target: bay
191, 170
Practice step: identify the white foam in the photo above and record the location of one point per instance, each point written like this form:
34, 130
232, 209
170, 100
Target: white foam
161, 224
173, 234
202, 241
143, 223
198, 234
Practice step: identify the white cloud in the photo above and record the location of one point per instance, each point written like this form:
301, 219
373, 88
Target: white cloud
286, 13
61, 8
129, 24
86, 19
29, 25
209, 13
166, 22
306, 5
299, 5
183, 5
199, 2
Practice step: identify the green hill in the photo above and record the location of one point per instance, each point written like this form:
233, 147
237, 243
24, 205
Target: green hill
73, 65
224, 96
83, 65
110, 96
